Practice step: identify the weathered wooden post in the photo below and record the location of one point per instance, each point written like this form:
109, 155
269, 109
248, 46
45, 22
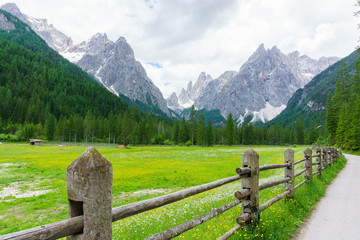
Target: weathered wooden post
89, 189
334, 154
325, 157
250, 205
289, 172
308, 163
330, 158
318, 160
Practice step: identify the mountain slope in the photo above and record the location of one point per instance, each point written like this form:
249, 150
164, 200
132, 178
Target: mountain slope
310, 102
34, 85
113, 64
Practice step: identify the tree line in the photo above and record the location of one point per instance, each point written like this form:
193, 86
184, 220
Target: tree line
343, 110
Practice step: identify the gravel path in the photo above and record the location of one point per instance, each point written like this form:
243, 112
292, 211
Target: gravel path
337, 215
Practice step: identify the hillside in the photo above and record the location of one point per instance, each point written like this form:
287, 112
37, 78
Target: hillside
310, 101
21, 34
46, 95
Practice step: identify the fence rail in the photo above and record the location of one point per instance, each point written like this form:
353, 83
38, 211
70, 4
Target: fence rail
98, 184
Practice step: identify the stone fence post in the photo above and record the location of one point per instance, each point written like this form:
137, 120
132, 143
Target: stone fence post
89, 189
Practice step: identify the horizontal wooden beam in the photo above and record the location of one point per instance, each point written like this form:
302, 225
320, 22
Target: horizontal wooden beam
299, 161
145, 205
273, 183
176, 231
242, 193
299, 173
55, 230
264, 206
273, 166
297, 186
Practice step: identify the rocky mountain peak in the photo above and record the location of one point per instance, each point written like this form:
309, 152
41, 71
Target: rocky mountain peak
13, 9
260, 49
54, 38
189, 87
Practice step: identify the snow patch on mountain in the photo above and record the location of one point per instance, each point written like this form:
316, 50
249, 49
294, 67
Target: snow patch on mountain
265, 114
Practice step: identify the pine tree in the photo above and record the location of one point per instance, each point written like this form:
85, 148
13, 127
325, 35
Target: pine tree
209, 135
50, 127
192, 124
229, 130
331, 118
299, 131
201, 131
183, 132
313, 135
342, 126
176, 132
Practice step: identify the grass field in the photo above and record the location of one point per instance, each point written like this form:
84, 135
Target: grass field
33, 188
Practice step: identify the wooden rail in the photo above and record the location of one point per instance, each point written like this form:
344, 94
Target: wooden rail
84, 225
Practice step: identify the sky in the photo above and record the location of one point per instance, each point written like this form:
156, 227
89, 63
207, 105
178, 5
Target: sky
176, 40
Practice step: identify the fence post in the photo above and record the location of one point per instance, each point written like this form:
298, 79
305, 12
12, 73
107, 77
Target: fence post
330, 154
250, 205
318, 160
308, 163
289, 172
89, 189
325, 157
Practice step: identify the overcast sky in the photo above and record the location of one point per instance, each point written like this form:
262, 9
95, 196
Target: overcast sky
176, 40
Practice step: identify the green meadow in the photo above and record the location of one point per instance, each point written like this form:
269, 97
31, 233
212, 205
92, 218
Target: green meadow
33, 188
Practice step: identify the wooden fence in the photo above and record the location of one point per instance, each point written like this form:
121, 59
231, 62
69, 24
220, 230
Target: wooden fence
89, 185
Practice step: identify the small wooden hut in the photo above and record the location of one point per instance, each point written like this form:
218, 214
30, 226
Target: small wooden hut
123, 145
35, 142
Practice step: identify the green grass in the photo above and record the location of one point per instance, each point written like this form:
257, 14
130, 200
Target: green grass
145, 172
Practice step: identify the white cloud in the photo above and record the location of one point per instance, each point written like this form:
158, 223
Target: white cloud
187, 37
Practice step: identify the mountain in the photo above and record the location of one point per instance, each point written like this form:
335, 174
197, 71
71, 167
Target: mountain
310, 102
113, 64
187, 97
54, 38
36, 81
263, 85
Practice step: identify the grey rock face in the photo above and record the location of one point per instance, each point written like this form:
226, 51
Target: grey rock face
173, 101
213, 88
263, 85
266, 81
114, 65
54, 38
187, 97
5, 24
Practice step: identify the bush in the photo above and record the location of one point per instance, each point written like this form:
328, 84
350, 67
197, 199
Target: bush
169, 142
188, 143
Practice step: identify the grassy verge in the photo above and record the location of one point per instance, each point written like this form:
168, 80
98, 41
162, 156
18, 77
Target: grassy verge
277, 222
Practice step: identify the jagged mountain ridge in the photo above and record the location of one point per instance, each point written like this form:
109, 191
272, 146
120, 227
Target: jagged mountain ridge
263, 85
113, 64
54, 38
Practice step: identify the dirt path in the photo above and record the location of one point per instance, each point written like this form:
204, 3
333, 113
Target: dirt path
337, 215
